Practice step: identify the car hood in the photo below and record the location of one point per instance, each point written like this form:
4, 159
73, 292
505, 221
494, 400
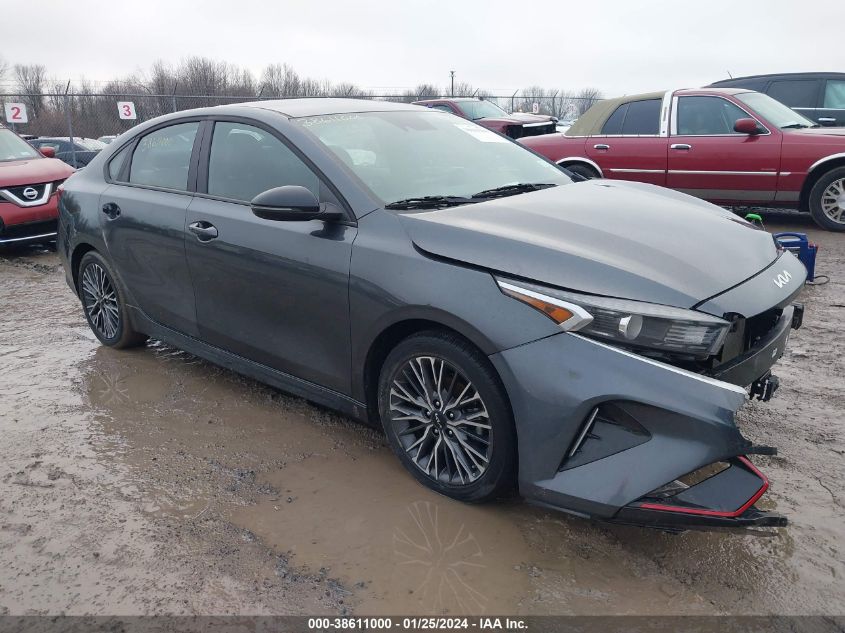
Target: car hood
32, 171
519, 118
817, 131
611, 238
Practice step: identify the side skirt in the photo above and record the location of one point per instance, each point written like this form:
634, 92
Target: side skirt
285, 382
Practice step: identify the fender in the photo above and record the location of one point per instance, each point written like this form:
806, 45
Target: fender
581, 159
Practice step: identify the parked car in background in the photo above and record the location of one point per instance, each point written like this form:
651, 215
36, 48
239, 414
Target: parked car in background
729, 146
491, 116
107, 139
563, 125
818, 96
78, 156
28, 184
587, 343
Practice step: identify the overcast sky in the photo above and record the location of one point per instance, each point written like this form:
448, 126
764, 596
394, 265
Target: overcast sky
618, 46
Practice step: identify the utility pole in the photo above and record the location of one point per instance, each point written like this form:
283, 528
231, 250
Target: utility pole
452, 74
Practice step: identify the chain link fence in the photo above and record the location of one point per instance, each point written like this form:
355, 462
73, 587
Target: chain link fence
94, 115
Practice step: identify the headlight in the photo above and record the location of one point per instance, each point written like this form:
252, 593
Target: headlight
624, 322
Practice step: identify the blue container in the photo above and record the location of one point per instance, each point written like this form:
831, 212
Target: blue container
802, 248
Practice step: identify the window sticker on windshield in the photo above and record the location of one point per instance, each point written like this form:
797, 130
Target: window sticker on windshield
482, 134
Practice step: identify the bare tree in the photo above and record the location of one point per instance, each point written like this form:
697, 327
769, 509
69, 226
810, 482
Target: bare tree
31, 79
4, 68
587, 98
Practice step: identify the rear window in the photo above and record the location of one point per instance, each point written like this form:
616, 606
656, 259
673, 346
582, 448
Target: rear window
163, 158
13, 147
834, 94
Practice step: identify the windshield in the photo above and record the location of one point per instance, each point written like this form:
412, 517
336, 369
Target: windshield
481, 110
12, 147
401, 155
774, 111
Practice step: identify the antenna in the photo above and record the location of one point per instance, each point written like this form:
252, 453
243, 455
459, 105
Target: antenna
730, 75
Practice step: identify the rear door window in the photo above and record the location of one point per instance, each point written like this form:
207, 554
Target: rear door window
163, 158
642, 117
795, 93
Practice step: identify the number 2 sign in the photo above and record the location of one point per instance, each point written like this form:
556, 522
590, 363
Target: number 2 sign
126, 110
16, 113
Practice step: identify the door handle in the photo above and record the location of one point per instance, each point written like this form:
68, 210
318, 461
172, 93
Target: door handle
111, 210
683, 146
204, 231
826, 119
601, 146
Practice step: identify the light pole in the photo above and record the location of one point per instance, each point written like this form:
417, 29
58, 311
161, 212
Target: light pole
452, 75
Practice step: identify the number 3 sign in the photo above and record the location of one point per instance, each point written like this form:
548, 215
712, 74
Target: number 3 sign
126, 110
16, 113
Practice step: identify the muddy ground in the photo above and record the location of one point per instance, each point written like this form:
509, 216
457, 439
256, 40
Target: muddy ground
148, 481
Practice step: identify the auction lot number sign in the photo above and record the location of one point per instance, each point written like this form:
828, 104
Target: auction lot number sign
16, 113
126, 110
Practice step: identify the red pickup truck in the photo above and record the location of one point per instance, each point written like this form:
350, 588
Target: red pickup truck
729, 146
28, 183
491, 116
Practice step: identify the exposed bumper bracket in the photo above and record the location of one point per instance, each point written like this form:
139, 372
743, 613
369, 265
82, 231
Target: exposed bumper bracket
764, 387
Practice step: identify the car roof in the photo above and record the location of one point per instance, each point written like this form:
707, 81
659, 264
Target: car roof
819, 75
592, 121
295, 108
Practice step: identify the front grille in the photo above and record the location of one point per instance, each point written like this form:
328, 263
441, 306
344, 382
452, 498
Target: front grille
521, 131
18, 195
758, 327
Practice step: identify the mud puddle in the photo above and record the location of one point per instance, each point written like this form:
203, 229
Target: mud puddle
148, 481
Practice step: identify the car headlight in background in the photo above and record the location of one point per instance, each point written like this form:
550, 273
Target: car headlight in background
624, 322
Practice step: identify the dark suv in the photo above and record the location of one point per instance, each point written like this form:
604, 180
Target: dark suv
818, 96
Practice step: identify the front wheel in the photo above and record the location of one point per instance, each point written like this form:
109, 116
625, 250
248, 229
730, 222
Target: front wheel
447, 418
827, 200
103, 303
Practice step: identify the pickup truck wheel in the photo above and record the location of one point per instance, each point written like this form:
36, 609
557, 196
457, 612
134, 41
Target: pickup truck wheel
582, 170
827, 200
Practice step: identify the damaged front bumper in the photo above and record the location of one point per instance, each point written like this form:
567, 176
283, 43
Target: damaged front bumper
607, 434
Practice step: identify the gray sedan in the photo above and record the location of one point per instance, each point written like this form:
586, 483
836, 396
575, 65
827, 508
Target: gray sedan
583, 343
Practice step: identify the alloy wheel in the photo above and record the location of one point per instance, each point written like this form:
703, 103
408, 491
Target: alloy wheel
441, 420
833, 201
100, 301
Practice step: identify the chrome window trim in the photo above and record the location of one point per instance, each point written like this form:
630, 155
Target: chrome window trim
673, 125
677, 370
9, 196
581, 159
665, 113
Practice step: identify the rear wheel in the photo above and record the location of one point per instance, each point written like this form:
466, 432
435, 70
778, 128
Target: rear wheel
446, 416
827, 200
103, 303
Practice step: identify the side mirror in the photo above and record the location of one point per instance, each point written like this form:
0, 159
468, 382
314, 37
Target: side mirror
747, 126
48, 152
290, 203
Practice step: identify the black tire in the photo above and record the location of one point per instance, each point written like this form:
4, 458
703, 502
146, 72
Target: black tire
586, 172
474, 474
827, 212
103, 303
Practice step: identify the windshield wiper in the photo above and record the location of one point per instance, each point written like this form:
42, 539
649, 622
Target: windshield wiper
796, 126
429, 202
512, 190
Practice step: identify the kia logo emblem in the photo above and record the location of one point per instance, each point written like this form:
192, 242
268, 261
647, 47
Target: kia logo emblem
782, 279
30, 193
